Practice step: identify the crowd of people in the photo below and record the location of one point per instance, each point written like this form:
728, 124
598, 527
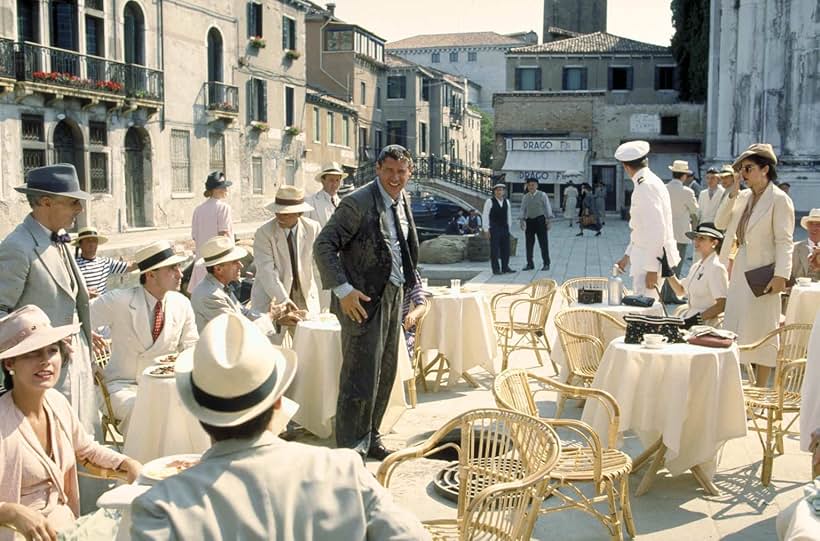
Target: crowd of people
356, 256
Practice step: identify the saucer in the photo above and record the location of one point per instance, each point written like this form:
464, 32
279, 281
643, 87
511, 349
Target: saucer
654, 346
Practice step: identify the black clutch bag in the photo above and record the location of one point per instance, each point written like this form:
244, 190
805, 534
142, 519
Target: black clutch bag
590, 296
638, 300
637, 326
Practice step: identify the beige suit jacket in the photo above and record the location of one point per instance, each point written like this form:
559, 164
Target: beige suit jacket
800, 262
323, 207
274, 274
269, 489
684, 205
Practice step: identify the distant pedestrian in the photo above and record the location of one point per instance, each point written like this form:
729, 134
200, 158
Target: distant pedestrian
684, 212
599, 193
710, 198
570, 202
474, 222
211, 218
536, 214
588, 218
96, 269
496, 221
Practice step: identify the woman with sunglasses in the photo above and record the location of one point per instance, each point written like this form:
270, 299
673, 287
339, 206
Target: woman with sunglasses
707, 283
41, 438
760, 221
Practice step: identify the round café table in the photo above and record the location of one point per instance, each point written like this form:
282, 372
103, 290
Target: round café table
683, 401
804, 303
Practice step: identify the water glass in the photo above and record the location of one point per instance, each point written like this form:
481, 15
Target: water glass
425, 283
455, 284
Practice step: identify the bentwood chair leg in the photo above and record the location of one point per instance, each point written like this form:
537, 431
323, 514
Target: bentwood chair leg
535, 348
614, 526
626, 506
411, 391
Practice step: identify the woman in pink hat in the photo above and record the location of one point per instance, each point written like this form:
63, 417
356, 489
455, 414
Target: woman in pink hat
41, 439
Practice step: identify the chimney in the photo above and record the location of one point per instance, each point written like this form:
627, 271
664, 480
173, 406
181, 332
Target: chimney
331, 8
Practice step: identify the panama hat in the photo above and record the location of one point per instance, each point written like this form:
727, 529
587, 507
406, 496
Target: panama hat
89, 233
763, 150
631, 151
706, 229
29, 329
727, 170
233, 373
813, 216
59, 179
680, 166
220, 249
289, 200
333, 168
156, 255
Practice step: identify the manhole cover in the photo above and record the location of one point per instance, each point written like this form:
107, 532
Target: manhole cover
446, 482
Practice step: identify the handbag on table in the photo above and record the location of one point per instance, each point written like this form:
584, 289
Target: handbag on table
639, 325
590, 296
641, 301
704, 335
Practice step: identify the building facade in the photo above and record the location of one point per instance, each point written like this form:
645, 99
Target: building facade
575, 16
331, 135
763, 87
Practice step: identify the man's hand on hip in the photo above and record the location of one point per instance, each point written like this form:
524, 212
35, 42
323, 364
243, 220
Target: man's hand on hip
352, 307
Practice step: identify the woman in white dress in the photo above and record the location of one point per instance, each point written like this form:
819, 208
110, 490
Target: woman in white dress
761, 221
570, 203
707, 283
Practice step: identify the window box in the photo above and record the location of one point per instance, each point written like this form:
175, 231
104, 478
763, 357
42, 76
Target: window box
259, 125
292, 54
257, 41
292, 131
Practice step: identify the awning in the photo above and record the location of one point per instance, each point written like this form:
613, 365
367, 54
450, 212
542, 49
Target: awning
558, 161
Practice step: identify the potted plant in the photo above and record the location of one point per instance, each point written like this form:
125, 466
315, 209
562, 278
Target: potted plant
292, 54
257, 42
259, 125
292, 131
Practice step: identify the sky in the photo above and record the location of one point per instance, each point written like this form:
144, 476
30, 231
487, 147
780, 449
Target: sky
643, 20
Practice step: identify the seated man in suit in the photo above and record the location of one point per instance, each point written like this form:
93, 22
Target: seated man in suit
806, 255
214, 295
149, 321
283, 254
250, 484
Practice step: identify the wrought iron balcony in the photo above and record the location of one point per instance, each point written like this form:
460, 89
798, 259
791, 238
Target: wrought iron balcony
7, 59
86, 74
222, 98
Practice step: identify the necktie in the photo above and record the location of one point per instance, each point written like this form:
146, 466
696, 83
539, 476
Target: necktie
333, 201
159, 321
406, 261
294, 267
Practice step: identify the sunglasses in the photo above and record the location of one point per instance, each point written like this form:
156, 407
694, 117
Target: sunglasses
748, 168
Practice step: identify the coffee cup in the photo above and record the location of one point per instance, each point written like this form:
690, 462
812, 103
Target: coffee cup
654, 339
803, 281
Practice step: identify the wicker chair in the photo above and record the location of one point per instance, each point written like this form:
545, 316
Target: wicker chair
569, 289
581, 332
526, 333
595, 462
768, 404
109, 421
504, 462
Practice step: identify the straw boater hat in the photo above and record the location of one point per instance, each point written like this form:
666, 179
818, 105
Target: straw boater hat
289, 200
727, 170
220, 249
499, 185
706, 229
332, 168
680, 166
631, 151
29, 329
89, 233
156, 255
60, 179
764, 150
814, 216
233, 373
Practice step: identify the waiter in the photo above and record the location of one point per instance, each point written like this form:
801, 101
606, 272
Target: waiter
496, 220
536, 213
650, 221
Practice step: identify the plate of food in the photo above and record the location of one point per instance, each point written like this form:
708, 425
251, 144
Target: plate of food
166, 359
162, 371
166, 466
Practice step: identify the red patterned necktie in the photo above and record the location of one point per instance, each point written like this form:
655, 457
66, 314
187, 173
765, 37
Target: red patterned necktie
159, 321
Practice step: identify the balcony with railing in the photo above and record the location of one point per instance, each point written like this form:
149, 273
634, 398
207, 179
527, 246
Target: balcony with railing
222, 101
67, 73
7, 71
432, 168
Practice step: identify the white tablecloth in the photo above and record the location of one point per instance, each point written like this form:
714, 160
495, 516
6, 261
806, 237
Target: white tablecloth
797, 522
160, 424
315, 387
689, 395
804, 303
810, 393
460, 325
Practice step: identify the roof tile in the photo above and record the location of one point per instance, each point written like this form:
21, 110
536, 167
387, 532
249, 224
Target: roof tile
466, 39
594, 43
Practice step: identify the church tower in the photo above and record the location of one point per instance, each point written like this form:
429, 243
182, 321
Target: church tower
581, 16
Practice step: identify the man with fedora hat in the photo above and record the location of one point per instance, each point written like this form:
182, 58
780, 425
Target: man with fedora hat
211, 218
681, 168
96, 269
496, 220
251, 484
684, 210
214, 295
806, 255
38, 269
283, 255
149, 321
651, 237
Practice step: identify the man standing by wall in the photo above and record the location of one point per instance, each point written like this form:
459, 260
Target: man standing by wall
650, 221
496, 221
367, 254
536, 214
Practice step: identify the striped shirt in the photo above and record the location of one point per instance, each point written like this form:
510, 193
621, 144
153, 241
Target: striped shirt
96, 271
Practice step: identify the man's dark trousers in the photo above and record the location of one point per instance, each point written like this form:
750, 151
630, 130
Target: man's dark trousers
369, 352
500, 248
537, 227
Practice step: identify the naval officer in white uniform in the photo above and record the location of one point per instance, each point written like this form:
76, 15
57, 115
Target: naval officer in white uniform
650, 221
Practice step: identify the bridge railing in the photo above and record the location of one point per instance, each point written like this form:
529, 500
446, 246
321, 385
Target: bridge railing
430, 168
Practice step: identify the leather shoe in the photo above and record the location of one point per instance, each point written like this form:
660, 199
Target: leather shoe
528, 267
509, 271
497, 272
379, 452
545, 268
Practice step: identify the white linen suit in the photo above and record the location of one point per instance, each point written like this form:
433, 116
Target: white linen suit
682, 200
651, 230
274, 274
768, 240
132, 347
323, 209
709, 205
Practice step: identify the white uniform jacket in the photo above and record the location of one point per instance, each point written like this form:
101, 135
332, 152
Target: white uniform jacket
709, 205
684, 206
323, 207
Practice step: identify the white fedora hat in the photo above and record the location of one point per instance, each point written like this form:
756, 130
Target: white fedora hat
289, 200
156, 255
680, 166
233, 373
29, 329
333, 168
813, 216
220, 249
89, 233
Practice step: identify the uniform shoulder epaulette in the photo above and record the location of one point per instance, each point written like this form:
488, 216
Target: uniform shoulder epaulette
640, 179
